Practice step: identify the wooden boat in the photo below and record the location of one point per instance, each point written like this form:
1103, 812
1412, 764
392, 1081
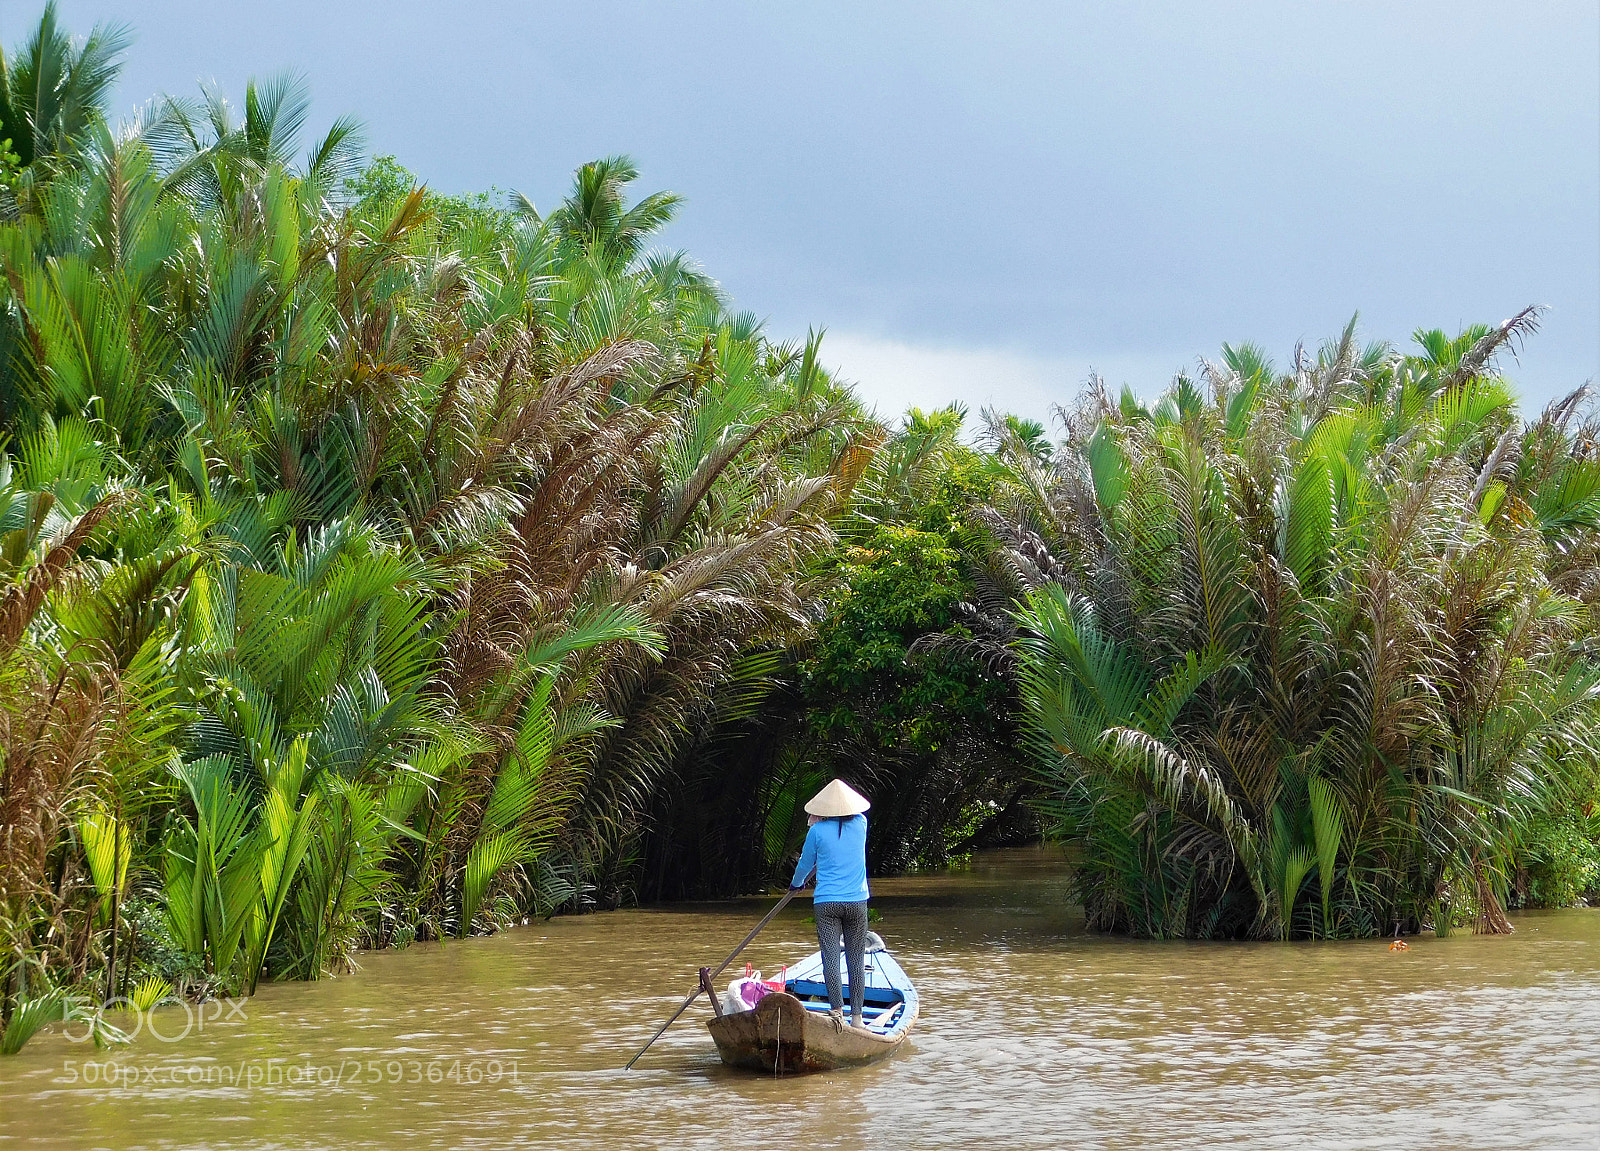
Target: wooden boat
789, 1030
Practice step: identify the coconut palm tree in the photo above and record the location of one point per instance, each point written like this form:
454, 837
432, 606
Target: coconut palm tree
595, 220
53, 92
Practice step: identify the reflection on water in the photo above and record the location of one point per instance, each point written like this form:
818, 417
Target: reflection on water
1033, 1035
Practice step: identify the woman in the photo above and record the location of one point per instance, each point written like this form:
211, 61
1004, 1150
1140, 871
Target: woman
836, 846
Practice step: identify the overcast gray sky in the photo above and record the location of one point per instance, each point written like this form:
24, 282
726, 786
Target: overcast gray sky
982, 202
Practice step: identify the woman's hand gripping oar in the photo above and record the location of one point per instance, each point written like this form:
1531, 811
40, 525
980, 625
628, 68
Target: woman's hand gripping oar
705, 980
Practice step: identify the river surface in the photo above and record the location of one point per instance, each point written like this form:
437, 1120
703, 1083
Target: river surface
1033, 1034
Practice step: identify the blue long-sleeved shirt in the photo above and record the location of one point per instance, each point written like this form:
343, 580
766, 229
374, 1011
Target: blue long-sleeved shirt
839, 853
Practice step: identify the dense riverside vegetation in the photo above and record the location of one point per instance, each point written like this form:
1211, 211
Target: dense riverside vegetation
381, 565
1312, 654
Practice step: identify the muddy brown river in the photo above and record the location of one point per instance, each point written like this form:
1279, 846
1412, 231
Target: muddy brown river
1033, 1034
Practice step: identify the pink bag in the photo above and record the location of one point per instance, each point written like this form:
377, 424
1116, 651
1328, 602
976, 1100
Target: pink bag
751, 992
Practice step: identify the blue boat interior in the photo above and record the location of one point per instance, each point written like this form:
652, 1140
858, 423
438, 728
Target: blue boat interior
884, 999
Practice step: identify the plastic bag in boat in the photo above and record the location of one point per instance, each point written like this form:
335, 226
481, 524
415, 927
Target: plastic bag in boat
745, 992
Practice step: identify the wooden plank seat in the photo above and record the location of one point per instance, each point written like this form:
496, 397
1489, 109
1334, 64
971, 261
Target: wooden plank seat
871, 996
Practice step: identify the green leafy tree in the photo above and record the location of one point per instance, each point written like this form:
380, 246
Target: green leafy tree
927, 735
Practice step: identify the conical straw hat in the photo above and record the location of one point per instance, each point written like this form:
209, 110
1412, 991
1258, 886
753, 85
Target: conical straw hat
835, 800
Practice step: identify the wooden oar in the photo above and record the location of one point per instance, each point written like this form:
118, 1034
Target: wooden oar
706, 981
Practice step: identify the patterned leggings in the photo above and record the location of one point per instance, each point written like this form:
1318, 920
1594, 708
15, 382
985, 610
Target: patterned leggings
849, 921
